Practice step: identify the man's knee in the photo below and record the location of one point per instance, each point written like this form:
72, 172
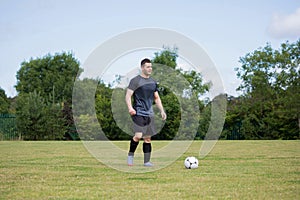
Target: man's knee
147, 139
137, 136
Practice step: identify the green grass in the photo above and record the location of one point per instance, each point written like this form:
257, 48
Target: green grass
233, 170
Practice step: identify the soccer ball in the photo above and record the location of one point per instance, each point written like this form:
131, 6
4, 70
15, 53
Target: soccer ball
191, 163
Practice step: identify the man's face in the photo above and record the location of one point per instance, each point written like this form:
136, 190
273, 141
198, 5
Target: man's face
147, 69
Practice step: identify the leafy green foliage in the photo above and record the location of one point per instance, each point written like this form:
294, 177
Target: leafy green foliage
104, 112
4, 102
49, 75
45, 92
38, 119
166, 57
88, 128
180, 91
270, 106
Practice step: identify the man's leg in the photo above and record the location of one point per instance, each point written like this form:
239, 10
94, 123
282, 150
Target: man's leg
133, 145
147, 148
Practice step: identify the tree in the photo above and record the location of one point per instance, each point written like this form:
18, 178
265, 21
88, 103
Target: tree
180, 91
288, 82
270, 86
38, 119
105, 98
4, 102
88, 127
49, 75
166, 57
47, 83
104, 113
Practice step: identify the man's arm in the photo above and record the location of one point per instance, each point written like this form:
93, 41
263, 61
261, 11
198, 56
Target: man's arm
128, 96
159, 105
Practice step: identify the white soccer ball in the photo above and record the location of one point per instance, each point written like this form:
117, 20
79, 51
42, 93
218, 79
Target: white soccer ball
191, 163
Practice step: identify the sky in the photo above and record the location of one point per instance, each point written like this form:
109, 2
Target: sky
225, 29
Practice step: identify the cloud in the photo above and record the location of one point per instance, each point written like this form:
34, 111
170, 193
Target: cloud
285, 26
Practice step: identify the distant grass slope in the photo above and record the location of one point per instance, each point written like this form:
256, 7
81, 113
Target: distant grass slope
233, 170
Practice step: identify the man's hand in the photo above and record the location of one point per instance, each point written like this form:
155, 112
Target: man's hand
163, 115
132, 112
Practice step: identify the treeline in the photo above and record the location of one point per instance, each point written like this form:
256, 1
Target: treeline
269, 107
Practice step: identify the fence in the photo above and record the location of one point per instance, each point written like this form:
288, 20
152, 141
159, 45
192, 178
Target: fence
8, 129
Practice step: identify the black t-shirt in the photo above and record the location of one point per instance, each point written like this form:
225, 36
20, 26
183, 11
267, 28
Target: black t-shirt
143, 94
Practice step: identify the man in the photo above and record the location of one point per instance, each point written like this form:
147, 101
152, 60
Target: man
144, 91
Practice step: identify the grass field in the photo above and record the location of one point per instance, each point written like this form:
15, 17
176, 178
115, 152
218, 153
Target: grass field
233, 170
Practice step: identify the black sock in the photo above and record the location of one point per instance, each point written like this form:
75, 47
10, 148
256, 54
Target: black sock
133, 146
147, 151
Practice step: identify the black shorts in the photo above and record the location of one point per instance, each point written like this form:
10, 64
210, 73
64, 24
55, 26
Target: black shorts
143, 124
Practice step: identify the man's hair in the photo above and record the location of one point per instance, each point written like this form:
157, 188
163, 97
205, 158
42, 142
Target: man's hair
145, 60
